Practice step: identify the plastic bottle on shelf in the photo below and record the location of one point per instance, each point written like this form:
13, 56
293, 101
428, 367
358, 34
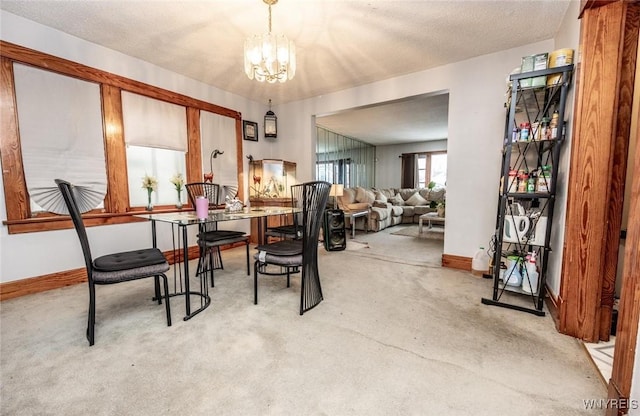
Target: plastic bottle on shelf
545, 132
544, 179
512, 276
525, 129
553, 125
524, 179
513, 181
530, 279
531, 182
480, 262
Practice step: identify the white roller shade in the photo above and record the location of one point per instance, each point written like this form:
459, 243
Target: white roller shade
153, 123
61, 137
219, 132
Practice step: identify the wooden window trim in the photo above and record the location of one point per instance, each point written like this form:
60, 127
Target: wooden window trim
117, 209
427, 173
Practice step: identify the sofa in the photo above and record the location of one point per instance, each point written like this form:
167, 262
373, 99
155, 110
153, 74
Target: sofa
390, 206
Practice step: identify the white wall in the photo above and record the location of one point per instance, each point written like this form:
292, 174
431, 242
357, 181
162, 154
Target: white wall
389, 163
60, 250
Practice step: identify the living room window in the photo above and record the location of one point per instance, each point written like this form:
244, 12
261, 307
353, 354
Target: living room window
431, 166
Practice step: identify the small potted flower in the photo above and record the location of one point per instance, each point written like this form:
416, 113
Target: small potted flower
178, 181
150, 184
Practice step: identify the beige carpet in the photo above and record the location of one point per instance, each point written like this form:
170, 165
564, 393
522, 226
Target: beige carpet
395, 335
435, 233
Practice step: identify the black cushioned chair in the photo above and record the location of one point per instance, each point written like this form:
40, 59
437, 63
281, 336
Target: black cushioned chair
291, 231
299, 253
117, 267
210, 238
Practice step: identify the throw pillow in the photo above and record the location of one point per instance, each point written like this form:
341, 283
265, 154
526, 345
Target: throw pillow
396, 200
415, 200
364, 195
380, 196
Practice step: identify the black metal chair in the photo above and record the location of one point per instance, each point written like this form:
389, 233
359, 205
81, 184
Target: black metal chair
291, 231
117, 267
210, 238
299, 253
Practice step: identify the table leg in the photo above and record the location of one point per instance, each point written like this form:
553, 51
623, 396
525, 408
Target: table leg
187, 290
420, 226
185, 260
353, 227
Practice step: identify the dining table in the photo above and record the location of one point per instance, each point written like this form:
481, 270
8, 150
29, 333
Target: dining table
184, 220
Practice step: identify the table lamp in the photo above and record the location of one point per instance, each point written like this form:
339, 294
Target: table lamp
336, 191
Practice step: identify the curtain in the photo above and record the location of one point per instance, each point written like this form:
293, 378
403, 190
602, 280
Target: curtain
153, 123
61, 137
409, 170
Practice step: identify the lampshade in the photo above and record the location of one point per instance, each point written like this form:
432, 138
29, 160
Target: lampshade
269, 57
337, 189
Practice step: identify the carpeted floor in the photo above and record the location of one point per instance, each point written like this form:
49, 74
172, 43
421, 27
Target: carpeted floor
435, 233
395, 335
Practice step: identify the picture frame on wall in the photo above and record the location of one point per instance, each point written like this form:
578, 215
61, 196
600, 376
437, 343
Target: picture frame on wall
250, 130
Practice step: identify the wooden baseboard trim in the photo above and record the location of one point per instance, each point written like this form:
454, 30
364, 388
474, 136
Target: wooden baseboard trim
456, 262
23, 287
28, 286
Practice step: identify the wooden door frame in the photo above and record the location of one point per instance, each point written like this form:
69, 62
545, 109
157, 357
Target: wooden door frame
599, 151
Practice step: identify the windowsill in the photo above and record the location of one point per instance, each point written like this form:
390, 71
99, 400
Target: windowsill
61, 222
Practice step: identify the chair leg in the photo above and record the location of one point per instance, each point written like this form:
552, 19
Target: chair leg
255, 282
247, 246
211, 266
92, 314
166, 294
156, 285
288, 276
219, 257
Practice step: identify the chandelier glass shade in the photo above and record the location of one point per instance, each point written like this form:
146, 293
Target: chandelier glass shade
269, 57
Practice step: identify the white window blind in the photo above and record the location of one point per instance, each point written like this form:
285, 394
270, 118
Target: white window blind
153, 123
219, 132
61, 137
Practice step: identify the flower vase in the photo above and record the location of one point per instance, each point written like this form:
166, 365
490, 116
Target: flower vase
179, 203
149, 206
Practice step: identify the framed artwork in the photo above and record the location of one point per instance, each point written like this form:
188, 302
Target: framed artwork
250, 130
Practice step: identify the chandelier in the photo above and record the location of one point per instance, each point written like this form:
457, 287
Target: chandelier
269, 57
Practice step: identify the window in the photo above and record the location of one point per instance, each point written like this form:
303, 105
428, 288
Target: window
432, 166
438, 172
162, 164
156, 135
60, 137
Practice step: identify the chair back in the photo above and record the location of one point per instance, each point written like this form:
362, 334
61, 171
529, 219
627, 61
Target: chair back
66, 189
314, 200
209, 190
297, 199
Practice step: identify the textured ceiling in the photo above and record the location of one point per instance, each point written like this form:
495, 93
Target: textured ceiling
340, 43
